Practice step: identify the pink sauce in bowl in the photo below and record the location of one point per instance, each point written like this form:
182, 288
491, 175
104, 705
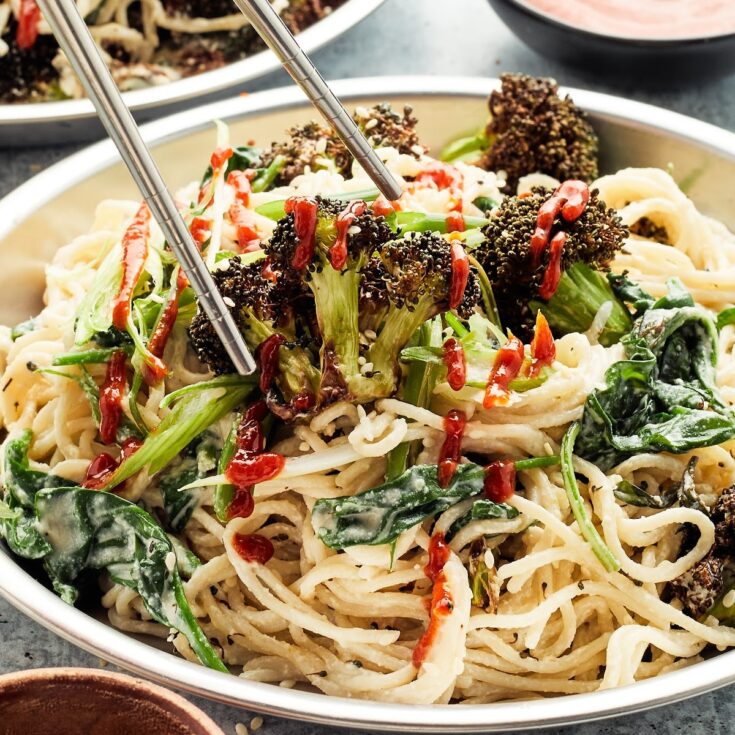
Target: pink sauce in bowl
643, 19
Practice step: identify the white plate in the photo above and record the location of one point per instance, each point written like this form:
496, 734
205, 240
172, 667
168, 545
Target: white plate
58, 204
67, 121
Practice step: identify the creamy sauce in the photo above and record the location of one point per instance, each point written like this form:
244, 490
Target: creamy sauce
659, 19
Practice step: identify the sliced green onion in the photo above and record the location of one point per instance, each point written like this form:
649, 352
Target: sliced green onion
225, 492
461, 148
221, 381
533, 463
586, 527
263, 180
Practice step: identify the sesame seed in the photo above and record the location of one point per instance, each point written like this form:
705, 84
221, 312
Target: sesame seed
729, 599
354, 230
362, 112
241, 729
229, 302
321, 145
366, 368
170, 561
361, 360
370, 124
417, 150
370, 334
256, 723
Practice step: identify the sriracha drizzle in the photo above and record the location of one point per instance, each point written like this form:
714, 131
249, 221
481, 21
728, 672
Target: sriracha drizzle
500, 480
543, 349
507, 365
441, 604
111, 395
135, 251
456, 363
304, 214
451, 451
253, 547
338, 251
29, 16
460, 274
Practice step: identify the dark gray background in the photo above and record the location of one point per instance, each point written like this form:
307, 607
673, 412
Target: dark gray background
434, 37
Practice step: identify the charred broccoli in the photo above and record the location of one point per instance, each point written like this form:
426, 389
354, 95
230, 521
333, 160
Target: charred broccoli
327, 243
519, 277
263, 310
420, 274
533, 129
319, 147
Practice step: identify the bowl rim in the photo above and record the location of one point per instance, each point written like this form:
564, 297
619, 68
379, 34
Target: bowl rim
640, 42
39, 603
130, 686
65, 112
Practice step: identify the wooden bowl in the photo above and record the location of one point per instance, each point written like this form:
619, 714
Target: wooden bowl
68, 701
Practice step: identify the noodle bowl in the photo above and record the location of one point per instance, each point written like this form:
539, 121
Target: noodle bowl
346, 623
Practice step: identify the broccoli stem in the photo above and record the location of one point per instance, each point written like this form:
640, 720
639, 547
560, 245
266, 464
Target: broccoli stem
264, 180
432, 222
400, 324
578, 298
336, 298
276, 209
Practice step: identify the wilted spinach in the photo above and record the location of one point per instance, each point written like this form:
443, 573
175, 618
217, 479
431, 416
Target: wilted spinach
73, 530
482, 510
197, 460
662, 397
381, 514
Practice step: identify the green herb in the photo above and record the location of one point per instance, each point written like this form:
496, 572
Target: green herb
190, 416
85, 357
418, 389
578, 298
586, 527
485, 204
264, 180
221, 381
725, 317
464, 148
26, 327
482, 510
88, 529
631, 494
196, 461
224, 492
380, 515
662, 397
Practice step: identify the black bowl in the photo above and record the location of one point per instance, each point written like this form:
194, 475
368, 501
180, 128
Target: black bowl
660, 60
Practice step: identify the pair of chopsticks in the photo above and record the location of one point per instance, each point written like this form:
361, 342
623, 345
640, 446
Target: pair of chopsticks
78, 45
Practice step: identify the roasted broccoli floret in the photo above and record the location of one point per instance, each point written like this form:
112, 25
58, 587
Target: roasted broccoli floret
319, 147
507, 256
384, 127
327, 243
700, 586
532, 129
262, 309
419, 274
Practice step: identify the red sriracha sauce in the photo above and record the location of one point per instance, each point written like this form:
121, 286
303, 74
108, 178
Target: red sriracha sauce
456, 362
28, 17
383, 208
155, 370
103, 465
111, 395
506, 367
250, 464
248, 237
253, 547
201, 230
543, 349
460, 274
240, 182
569, 200
500, 480
217, 161
455, 222
135, 251
552, 274
267, 355
441, 604
444, 176
451, 451
304, 211
338, 251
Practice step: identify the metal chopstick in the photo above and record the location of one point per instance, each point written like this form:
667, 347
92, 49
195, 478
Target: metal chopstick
84, 56
274, 32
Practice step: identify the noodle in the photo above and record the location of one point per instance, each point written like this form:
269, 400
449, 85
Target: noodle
347, 623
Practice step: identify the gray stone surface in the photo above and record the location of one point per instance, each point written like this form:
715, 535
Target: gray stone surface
436, 37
